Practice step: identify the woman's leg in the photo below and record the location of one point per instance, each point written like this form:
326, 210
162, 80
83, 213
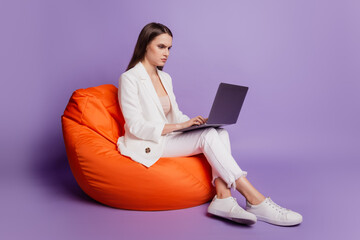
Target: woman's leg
251, 194
222, 191
264, 208
189, 143
243, 185
209, 142
215, 145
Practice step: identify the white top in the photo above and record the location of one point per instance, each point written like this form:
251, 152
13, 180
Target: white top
165, 102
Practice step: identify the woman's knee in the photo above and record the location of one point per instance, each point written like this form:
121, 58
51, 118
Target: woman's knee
214, 132
222, 132
208, 134
224, 137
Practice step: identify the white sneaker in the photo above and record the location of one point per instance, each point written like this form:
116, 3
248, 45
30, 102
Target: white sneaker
230, 209
270, 212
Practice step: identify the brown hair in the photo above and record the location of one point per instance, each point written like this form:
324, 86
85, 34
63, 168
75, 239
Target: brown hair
147, 34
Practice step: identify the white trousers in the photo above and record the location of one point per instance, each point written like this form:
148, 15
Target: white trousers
214, 143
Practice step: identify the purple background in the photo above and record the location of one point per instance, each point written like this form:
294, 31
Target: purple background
297, 136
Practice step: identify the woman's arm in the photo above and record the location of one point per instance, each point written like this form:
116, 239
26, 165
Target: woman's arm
172, 127
184, 120
131, 109
168, 128
138, 126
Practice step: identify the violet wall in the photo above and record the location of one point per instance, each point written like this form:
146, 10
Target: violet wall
300, 59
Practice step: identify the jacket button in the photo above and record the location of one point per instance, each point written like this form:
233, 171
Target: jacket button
147, 150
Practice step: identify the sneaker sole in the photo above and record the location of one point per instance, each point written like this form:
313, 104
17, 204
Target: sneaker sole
278, 223
245, 221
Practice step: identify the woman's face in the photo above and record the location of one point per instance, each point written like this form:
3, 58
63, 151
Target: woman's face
157, 51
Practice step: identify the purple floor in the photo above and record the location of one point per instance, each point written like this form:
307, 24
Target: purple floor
46, 203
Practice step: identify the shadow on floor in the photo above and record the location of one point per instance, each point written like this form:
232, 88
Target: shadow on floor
52, 170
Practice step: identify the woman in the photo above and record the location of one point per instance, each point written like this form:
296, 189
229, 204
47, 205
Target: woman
151, 115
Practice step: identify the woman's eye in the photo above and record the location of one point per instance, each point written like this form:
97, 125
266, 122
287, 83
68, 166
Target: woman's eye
163, 46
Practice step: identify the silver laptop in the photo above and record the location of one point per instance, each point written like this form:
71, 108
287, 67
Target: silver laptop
226, 107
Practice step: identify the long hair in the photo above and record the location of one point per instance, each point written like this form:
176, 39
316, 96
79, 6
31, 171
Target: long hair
147, 34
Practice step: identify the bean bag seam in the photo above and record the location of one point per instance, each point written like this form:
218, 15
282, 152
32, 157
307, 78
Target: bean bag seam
82, 110
81, 124
87, 95
85, 105
82, 114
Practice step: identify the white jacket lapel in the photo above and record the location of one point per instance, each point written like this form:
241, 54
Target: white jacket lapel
168, 91
146, 81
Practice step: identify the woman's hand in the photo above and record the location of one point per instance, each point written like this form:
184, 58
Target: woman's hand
194, 121
199, 120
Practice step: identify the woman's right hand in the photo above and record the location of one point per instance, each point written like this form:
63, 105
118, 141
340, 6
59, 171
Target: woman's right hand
199, 120
177, 126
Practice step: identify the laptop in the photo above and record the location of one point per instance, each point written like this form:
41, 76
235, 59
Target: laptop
226, 107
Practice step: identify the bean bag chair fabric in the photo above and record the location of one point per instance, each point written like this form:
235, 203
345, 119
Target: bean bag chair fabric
92, 123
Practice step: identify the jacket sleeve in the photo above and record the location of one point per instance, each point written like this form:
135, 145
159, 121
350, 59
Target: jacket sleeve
131, 109
180, 116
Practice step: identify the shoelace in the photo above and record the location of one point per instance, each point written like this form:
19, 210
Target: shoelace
280, 209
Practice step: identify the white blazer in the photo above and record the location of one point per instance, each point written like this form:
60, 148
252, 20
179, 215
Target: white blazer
144, 115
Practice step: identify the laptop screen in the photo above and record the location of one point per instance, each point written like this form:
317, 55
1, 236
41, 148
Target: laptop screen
227, 104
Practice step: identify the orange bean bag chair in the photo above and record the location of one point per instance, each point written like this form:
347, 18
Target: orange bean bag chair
92, 122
